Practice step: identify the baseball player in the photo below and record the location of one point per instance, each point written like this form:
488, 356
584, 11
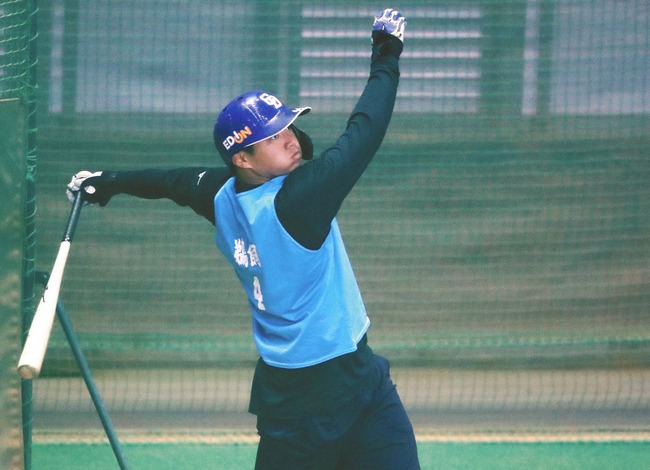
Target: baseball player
322, 398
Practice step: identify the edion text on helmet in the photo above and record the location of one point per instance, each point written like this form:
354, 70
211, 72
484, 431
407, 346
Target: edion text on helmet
237, 137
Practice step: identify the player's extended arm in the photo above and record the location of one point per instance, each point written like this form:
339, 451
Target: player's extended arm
312, 194
193, 187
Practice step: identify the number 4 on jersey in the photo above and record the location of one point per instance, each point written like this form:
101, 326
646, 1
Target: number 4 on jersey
257, 293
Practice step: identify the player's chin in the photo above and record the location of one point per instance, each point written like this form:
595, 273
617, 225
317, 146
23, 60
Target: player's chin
296, 161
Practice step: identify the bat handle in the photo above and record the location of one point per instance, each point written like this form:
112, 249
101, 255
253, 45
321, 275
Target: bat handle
74, 216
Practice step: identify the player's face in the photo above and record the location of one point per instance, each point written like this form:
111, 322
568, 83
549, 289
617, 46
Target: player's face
278, 155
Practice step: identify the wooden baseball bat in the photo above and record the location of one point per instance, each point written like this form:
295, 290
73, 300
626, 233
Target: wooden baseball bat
31, 359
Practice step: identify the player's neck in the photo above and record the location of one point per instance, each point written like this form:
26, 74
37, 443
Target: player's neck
242, 185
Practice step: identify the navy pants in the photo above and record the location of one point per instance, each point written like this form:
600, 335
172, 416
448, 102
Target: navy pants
370, 432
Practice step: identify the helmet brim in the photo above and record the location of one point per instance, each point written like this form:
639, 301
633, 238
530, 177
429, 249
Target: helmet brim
283, 122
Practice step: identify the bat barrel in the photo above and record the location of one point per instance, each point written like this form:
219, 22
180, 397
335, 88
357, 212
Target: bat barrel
31, 359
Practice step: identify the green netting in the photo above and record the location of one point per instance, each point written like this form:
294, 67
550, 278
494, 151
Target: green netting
18, 57
501, 237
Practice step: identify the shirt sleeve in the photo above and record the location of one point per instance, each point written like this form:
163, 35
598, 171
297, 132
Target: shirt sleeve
312, 194
193, 187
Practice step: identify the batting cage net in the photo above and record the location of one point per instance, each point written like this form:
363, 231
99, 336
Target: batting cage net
501, 236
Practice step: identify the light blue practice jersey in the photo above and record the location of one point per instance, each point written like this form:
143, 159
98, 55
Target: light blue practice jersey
306, 304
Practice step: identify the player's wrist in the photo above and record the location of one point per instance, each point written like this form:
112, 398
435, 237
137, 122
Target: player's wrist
384, 44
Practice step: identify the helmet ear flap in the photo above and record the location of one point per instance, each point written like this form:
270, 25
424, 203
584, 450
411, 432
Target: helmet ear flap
306, 145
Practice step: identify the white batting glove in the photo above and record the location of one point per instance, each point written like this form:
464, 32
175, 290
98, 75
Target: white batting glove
76, 184
390, 21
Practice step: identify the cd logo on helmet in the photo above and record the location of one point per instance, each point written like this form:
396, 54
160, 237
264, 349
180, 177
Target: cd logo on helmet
271, 100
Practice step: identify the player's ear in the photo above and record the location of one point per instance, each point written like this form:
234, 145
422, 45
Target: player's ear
241, 159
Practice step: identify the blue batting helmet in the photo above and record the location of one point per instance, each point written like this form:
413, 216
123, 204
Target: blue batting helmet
249, 119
